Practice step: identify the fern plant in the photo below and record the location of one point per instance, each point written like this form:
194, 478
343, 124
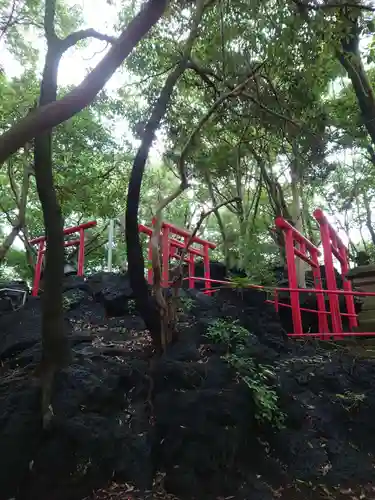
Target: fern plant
256, 376
226, 332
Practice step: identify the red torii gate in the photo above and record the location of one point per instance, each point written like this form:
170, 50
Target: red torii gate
170, 246
309, 253
334, 247
80, 243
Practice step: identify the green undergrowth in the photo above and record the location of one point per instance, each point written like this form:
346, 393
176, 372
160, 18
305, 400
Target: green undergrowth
187, 303
257, 377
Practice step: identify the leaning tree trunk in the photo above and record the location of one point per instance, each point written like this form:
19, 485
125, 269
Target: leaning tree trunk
369, 223
51, 115
297, 217
19, 223
146, 306
350, 58
277, 202
307, 215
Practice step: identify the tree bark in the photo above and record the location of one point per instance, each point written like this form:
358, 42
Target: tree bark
20, 221
55, 353
46, 117
55, 350
369, 225
307, 217
276, 199
223, 233
297, 216
350, 59
136, 265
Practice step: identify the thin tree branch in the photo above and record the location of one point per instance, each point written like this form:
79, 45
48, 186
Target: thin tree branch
6, 213
177, 271
233, 92
209, 183
272, 112
231, 208
106, 174
203, 74
150, 77
257, 202
203, 216
327, 6
9, 20
165, 309
93, 248
77, 36
13, 185
90, 241
201, 71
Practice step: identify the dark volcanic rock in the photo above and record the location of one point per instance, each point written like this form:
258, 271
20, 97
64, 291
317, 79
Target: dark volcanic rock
21, 329
113, 290
188, 414
87, 311
101, 431
76, 282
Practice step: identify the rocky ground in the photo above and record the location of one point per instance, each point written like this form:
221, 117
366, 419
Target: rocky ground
283, 419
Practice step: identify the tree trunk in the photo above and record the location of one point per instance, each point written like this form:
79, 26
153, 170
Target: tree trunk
350, 58
274, 190
146, 306
307, 216
277, 201
369, 225
297, 217
55, 352
20, 221
242, 220
208, 179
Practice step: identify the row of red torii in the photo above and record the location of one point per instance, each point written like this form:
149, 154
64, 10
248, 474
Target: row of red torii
173, 239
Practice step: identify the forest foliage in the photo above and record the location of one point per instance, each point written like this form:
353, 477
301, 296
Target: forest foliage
291, 138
